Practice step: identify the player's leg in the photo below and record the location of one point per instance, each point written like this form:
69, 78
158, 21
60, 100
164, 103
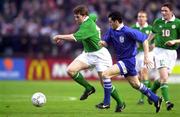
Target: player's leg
153, 76
165, 61
102, 63
73, 71
156, 85
158, 54
109, 73
164, 87
144, 79
134, 81
171, 61
114, 93
107, 85
142, 74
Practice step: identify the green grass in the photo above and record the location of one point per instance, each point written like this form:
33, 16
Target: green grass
63, 100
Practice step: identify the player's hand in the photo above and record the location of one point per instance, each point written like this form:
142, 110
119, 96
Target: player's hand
57, 38
170, 43
149, 64
102, 43
151, 47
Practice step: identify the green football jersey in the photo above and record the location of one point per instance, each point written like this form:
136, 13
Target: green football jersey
89, 34
147, 29
166, 31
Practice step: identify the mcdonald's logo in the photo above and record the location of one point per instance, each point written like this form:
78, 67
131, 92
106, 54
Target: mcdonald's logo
38, 69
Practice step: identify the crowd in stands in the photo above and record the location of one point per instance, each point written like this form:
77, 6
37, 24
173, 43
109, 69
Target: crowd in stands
27, 26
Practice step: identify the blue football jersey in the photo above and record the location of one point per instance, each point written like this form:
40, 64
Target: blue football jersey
124, 41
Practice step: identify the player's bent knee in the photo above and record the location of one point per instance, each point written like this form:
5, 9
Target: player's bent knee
71, 72
105, 75
163, 81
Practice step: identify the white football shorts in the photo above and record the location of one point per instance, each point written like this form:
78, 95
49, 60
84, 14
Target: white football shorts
165, 58
100, 59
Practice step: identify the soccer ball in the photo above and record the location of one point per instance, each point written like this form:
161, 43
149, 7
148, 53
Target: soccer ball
38, 99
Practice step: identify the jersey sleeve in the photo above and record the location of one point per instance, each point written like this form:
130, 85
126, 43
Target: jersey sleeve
85, 32
154, 27
93, 16
138, 35
107, 37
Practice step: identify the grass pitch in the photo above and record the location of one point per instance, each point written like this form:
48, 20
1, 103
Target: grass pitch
63, 100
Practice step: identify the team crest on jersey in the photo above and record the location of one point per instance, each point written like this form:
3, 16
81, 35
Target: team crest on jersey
173, 26
121, 39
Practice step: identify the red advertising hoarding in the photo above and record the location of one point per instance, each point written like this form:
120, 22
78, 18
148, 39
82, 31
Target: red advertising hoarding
52, 69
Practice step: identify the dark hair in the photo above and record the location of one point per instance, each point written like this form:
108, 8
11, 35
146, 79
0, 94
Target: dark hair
168, 5
115, 15
81, 9
142, 11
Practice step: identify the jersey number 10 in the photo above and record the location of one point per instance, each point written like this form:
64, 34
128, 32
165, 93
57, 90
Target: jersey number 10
165, 33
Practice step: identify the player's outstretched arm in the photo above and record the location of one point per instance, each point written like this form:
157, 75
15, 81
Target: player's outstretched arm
151, 37
172, 42
147, 61
59, 38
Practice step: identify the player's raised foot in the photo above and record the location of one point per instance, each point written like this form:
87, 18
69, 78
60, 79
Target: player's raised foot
120, 108
102, 106
87, 93
158, 104
140, 102
169, 106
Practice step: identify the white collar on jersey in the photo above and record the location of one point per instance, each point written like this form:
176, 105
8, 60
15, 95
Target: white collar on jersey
86, 18
172, 19
120, 26
145, 25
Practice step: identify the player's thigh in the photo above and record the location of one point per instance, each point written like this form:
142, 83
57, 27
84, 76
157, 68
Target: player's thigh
111, 71
163, 72
77, 65
144, 73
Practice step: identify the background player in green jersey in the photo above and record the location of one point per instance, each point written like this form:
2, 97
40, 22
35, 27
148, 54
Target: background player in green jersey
144, 27
93, 55
167, 30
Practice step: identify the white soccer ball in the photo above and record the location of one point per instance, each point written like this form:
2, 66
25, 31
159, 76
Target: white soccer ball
38, 99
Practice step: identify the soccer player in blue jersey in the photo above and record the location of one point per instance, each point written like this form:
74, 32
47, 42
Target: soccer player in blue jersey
124, 39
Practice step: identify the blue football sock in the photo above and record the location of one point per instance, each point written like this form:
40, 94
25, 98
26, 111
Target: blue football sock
152, 96
107, 91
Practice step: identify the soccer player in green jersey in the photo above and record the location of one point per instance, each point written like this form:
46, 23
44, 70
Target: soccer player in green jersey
144, 27
167, 30
92, 56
